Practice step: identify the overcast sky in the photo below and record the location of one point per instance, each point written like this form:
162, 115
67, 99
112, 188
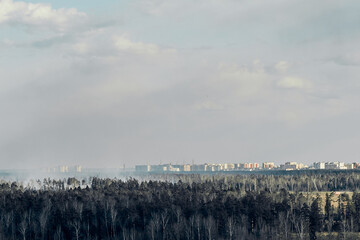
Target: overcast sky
107, 83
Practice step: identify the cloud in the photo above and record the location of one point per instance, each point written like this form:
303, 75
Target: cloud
122, 43
8, 43
38, 15
245, 81
208, 105
282, 66
349, 59
81, 47
48, 42
294, 82
101, 91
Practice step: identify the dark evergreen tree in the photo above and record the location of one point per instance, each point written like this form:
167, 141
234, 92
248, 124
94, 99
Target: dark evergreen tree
315, 218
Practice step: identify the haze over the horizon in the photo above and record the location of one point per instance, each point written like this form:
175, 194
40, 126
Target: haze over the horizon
107, 83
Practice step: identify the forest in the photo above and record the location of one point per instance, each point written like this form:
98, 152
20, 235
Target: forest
190, 206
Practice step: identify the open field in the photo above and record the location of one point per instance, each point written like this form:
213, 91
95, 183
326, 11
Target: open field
334, 197
335, 235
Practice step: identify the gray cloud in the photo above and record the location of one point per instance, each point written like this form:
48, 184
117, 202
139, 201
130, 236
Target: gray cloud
41, 16
127, 92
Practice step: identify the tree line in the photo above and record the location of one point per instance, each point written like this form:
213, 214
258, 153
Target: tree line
193, 207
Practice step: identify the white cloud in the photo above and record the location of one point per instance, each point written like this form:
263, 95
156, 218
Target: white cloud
294, 82
98, 87
246, 81
123, 43
348, 59
8, 43
282, 66
208, 105
81, 48
38, 15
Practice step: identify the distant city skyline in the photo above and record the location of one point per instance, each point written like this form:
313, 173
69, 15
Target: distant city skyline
247, 166
108, 83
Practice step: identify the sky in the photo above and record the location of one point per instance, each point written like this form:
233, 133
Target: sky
108, 83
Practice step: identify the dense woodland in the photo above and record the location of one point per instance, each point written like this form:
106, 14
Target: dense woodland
184, 207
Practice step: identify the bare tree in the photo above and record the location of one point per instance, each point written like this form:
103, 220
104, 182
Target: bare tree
9, 219
133, 233
300, 226
344, 228
75, 224
23, 226
178, 214
230, 227
154, 225
113, 215
152, 229
198, 225
124, 233
87, 227
79, 208
58, 233
284, 223
43, 218
164, 218
176, 231
106, 210
209, 224
188, 230
329, 224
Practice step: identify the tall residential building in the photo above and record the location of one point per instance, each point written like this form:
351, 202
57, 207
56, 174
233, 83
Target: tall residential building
268, 165
319, 165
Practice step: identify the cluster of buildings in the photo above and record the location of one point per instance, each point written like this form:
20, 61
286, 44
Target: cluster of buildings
335, 165
288, 166
63, 169
207, 167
